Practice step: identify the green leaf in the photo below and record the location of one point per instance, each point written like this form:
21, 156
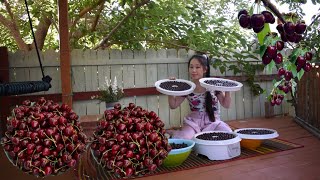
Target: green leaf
263, 33
294, 70
222, 69
274, 81
270, 66
300, 74
277, 84
263, 49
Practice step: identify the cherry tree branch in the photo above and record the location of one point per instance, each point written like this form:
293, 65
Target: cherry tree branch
14, 31
85, 11
96, 19
9, 9
156, 41
138, 5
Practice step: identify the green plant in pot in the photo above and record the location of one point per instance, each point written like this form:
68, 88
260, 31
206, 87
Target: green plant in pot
110, 93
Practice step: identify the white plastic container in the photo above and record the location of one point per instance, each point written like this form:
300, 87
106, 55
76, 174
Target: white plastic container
218, 149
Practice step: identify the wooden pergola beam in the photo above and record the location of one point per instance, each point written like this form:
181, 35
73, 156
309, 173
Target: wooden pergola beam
65, 57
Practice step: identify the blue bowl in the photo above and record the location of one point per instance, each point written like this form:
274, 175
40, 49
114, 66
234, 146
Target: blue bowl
177, 156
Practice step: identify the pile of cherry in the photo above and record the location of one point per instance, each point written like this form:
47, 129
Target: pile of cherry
43, 138
130, 141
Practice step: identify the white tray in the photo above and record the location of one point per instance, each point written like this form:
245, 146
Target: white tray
257, 136
217, 142
220, 87
175, 93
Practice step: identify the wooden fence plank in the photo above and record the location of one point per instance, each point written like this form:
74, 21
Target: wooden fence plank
240, 104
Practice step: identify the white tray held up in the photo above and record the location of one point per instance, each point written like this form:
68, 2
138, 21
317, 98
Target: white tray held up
220, 84
177, 87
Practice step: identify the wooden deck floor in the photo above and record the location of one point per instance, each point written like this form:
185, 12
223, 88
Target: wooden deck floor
302, 163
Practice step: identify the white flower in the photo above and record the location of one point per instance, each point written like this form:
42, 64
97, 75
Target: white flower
106, 81
114, 86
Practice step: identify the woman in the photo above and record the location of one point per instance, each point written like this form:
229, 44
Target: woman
204, 105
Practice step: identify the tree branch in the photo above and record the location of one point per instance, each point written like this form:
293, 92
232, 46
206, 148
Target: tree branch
9, 10
42, 31
96, 19
85, 11
157, 41
138, 5
15, 33
274, 9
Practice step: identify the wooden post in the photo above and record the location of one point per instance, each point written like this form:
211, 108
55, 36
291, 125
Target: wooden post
5, 100
65, 58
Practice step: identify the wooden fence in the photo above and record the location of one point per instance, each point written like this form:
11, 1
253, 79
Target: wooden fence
136, 72
308, 101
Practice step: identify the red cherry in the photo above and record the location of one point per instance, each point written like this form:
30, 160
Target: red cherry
307, 67
279, 45
308, 56
278, 58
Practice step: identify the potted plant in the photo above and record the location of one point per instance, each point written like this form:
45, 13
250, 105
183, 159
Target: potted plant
110, 93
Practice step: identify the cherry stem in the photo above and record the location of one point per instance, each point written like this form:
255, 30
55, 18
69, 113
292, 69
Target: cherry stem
75, 149
37, 168
104, 154
135, 143
54, 142
61, 168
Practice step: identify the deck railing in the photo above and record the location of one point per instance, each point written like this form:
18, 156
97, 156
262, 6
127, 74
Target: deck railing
308, 100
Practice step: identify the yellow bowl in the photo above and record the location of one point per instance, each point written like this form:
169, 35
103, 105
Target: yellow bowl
250, 143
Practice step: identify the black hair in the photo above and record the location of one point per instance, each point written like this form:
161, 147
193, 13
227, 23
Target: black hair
204, 61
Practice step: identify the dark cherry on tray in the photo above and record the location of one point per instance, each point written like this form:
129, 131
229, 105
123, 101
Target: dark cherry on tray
216, 136
175, 86
255, 131
178, 146
220, 83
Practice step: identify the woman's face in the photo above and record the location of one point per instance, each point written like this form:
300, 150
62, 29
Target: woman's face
196, 69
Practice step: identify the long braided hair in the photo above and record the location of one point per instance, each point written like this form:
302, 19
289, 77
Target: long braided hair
204, 61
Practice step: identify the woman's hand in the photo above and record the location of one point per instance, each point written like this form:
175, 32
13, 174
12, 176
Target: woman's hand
175, 101
224, 99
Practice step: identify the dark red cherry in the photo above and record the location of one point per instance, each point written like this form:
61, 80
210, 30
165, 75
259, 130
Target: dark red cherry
308, 56
278, 58
301, 61
257, 20
289, 28
244, 21
281, 71
300, 27
279, 45
280, 28
269, 18
272, 51
307, 67
243, 11
266, 59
